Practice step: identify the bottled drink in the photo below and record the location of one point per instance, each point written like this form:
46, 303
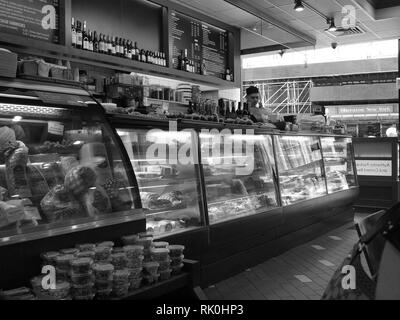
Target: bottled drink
91, 45
73, 32
129, 50
101, 43
85, 36
109, 45
135, 53
113, 47
96, 47
143, 59
79, 35
117, 50
125, 46
186, 61
239, 111
228, 75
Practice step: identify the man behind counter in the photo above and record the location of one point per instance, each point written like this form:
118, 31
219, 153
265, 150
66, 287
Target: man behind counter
257, 112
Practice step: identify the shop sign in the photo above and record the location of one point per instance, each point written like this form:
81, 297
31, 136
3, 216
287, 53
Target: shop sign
381, 168
365, 110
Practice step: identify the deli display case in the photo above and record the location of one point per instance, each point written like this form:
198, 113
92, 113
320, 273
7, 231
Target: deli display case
64, 177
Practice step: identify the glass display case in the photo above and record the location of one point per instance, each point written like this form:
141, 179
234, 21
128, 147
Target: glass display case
300, 168
168, 178
61, 169
238, 174
339, 166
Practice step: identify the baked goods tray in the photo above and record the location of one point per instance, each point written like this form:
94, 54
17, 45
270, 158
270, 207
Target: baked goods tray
50, 80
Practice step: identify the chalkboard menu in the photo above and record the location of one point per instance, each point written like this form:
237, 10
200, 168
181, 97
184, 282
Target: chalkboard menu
36, 19
207, 45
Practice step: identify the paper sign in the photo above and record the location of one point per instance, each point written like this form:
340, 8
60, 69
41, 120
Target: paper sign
56, 128
381, 168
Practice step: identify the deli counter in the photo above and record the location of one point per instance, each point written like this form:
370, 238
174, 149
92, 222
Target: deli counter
237, 195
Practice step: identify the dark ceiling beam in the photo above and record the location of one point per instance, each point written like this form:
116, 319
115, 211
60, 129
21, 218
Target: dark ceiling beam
255, 11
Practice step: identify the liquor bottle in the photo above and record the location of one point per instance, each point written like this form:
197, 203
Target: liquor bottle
239, 111
146, 56
121, 48
79, 35
108, 45
96, 46
182, 61
129, 50
91, 46
113, 47
101, 43
116, 46
125, 46
73, 32
135, 53
143, 53
186, 61
85, 36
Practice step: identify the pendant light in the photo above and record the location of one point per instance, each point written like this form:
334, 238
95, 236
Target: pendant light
298, 5
332, 26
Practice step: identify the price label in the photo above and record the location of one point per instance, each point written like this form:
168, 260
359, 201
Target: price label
56, 128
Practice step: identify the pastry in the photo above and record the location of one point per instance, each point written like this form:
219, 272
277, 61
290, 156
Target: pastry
96, 201
79, 179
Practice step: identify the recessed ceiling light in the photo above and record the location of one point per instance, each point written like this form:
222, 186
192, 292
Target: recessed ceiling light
298, 5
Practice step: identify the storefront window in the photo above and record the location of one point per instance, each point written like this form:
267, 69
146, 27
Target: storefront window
300, 168
338, 163
58, 168
168, 179
238, 175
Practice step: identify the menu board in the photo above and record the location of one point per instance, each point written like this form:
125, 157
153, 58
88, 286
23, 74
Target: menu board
36, 19
207, 45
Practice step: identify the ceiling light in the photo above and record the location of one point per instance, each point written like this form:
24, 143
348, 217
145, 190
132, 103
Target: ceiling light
298, 6
332, 26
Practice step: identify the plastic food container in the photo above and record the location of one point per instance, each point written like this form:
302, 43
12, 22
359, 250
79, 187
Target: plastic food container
164, 265
86, 247
118, 250
135, 283
103, 294
102, 253
165, 275
146, 235
81, 265
122, 290
62, 275
103, 285
145, 242
130, 240
61, 291
63, 261
108, 244
86, 254
177, 269
81, 279
69, 251
36, 284
119, 261
135, 273
133, 251
103, 271
80, 291
87, 297
159, 254
49, 258
176, 250
121, 277
175, 261
160, 245
151, 268
136, 262
151, 279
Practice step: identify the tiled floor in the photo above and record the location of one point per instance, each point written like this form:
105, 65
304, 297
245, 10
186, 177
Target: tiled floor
299, 274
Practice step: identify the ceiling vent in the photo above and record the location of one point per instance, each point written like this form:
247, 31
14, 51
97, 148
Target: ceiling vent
344, 32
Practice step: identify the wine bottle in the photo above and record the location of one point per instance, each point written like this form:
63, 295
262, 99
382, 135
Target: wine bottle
85, 36
79, 35
96, 47
73, 32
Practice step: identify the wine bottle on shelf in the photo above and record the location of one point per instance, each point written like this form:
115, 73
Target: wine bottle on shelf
121, 48
186, 60
85, 36
79, 35
101, 43
113, 47
73, 32
96, 47
135, 53
144, 57
239, 111
117, 47
129, 50
91, 45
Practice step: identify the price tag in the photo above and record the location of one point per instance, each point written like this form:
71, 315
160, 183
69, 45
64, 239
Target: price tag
56, 128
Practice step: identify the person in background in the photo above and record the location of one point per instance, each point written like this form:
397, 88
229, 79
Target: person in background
253, 97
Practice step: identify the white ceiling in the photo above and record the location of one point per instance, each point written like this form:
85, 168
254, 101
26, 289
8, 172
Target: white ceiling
257, 33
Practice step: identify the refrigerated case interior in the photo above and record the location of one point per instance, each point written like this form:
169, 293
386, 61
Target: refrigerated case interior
168, 178
239, 176
59, 167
